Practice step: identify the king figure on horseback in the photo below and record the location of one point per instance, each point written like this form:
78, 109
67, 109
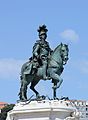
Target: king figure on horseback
41, 52
44, 64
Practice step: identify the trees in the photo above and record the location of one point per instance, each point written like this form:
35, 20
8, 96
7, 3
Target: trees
4, 111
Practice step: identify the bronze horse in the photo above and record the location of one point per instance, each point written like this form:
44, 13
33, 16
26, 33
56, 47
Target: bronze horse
56, 61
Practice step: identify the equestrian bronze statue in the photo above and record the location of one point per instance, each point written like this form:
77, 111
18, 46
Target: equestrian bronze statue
46, 64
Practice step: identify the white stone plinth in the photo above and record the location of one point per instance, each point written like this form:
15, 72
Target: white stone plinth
42, 110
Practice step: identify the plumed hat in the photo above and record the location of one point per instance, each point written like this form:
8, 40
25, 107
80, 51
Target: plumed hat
42, 30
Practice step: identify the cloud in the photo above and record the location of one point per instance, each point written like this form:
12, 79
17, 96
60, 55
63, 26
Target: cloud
70, 34
10, 68
81, 65
84, 66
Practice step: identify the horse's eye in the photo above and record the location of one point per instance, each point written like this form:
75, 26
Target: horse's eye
62, 50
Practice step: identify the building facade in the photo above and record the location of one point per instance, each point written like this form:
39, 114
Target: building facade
82, 107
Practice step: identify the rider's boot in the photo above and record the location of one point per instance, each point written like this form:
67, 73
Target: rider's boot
45, 77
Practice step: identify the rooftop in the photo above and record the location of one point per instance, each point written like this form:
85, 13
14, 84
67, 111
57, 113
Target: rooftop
3, 104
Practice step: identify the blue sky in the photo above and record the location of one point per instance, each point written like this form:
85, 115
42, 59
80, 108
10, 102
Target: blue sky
67, 22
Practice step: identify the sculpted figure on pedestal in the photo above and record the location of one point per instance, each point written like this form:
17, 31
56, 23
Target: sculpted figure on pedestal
46, 64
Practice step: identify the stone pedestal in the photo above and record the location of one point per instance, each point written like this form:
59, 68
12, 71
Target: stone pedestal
43, 110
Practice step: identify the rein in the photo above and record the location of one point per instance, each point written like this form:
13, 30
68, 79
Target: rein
55, 61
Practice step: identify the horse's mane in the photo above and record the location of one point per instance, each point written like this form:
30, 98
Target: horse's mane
55, 50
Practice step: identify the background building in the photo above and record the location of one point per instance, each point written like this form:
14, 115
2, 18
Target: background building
82, 107
2, 104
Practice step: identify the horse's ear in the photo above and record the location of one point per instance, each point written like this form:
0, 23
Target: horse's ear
61, 44
67, 44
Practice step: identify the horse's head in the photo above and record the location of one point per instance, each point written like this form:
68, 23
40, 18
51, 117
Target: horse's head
64, 52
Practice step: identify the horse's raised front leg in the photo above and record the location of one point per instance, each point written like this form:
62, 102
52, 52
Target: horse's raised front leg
23, 89
57, 79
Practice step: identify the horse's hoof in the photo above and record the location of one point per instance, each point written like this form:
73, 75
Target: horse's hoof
23, 100
37, 96
43, 97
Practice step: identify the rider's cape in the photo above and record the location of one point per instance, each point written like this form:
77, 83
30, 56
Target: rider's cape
28, 68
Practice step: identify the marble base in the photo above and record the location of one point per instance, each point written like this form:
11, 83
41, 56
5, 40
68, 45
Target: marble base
43, 110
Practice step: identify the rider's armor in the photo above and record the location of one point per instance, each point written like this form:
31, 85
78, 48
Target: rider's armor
41, 51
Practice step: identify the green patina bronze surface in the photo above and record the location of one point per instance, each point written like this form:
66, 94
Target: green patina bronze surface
46, 64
